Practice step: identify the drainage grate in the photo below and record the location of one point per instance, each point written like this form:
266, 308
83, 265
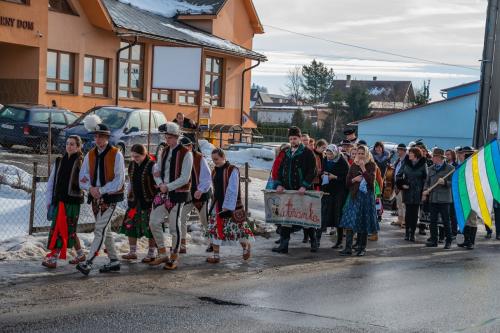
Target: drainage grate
217, 301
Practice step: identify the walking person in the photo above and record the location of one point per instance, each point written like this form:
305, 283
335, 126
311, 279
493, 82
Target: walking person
359, 215
401, 151
103, 176
229, 224
296, 173
141, 192
440, 197
173, 176
64, 198
335, 169
201, 183
410, 180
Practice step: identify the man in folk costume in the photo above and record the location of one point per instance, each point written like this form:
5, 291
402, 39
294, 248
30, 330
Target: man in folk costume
173, 176
103, 176
440, 197
201, 182
399, 164
297, 172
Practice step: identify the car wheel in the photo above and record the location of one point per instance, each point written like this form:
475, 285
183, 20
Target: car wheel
6, 145
42, 147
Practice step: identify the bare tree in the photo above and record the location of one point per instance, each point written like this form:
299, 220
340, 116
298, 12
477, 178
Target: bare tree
294, 84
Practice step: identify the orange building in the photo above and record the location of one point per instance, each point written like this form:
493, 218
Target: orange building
67, 52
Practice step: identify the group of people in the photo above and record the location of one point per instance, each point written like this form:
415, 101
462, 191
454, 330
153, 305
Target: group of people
356, 178
167, 188
159, 191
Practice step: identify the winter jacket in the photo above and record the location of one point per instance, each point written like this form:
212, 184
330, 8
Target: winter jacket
368, 175
382, 160
414, 176
297, 169
441, 193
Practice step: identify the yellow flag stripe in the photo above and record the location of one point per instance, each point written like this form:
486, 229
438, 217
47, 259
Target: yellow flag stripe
484, 213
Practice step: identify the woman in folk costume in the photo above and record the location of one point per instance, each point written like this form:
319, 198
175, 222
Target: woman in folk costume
141, 192
359, 215
335, 169
64, 198
379, 184
229, 224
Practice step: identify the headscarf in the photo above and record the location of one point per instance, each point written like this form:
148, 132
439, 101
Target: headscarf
335, 150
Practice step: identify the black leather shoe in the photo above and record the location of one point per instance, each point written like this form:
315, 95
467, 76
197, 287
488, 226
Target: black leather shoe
431, 244
113, 266
84, 268
447, 246
361, 253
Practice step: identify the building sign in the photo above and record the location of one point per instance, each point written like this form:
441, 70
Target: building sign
16, 23
292, 208
176, 68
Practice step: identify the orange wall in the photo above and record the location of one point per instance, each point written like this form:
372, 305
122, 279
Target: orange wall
77, 35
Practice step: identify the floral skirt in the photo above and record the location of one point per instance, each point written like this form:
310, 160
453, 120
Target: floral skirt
360, 213
136, 223
72, 212
227, 232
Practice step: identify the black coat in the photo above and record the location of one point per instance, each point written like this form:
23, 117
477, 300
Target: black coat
413, 176
297, 170
339, 169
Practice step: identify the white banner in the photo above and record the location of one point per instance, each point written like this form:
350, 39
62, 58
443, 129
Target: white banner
292, 208
177, 68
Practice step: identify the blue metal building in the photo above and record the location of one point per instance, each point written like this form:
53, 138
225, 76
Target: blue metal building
447, 123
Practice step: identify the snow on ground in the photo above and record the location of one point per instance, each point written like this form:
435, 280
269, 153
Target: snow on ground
168, 8
14, 176
254, 156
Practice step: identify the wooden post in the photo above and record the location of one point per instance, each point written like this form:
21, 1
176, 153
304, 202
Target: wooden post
49, 144
33, 198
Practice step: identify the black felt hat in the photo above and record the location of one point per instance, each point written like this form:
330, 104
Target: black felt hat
294, 131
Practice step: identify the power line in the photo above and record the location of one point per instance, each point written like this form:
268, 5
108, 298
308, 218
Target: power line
373, 50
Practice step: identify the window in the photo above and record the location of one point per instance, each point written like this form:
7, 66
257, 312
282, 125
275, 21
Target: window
162, 96
22, 2
58, 118
95, 76
10, 114
60, 67
145, 121
134, 121
159, 119
40, 117
70, 118
213, 81
188, 97
131, 71
61, 6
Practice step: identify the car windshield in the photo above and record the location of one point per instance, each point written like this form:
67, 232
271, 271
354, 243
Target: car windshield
111, 117
10, 114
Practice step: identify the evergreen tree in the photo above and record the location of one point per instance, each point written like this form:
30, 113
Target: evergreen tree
298, 119
422, 95
358, 102
259, 88
318, 80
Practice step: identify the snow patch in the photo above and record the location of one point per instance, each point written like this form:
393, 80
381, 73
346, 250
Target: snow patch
208, 39
15, 177
257, 158
169, 8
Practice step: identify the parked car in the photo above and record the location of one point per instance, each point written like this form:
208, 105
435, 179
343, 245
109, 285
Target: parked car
128, 127
28, 125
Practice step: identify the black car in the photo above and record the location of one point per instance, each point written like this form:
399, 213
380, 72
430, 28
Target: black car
28, 125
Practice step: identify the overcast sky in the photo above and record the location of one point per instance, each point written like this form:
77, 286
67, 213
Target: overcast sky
449, 31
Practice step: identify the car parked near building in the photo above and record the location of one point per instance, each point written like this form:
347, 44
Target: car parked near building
28, 125
128, 126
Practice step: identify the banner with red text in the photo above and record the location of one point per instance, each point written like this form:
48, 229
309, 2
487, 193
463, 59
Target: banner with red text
293, 208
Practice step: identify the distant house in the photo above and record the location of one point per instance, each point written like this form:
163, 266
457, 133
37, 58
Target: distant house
447, 123
386, 96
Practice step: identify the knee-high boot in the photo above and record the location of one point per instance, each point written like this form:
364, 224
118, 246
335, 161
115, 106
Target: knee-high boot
314, 239
362, 244
284, 240
340, 236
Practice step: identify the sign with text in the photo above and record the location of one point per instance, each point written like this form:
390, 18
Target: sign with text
16, 23
177, 68
293, 208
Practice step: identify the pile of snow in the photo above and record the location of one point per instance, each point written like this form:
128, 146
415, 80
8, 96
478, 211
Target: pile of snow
257, 158
14, 177
169, 8
208, 39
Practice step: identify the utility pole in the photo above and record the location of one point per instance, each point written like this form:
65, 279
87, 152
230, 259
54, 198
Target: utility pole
488, 113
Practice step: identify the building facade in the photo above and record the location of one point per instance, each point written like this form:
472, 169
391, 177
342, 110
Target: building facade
447, 124
66, 52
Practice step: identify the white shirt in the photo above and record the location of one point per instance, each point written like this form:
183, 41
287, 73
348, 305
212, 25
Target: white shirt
50, 185
113, 186
232, 190
187, 166
205, 177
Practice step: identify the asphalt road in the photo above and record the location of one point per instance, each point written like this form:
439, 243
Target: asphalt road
397, 287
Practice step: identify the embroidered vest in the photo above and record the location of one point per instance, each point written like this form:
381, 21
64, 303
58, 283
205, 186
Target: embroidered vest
107, 162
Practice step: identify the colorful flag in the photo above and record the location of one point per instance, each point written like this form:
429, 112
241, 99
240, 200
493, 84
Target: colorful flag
475, 184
